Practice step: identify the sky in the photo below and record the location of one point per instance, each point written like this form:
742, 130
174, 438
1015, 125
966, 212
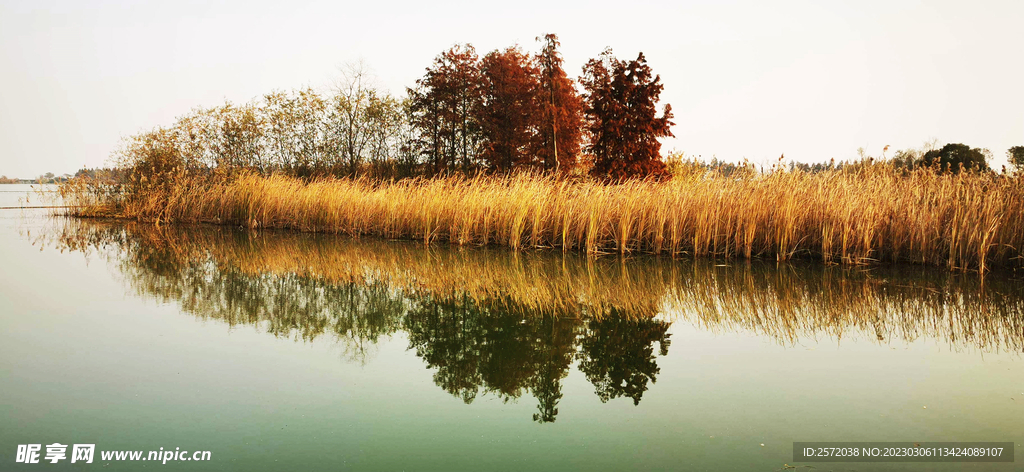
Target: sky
752, 80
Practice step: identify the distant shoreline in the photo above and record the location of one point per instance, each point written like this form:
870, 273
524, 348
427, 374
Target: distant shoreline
30, 182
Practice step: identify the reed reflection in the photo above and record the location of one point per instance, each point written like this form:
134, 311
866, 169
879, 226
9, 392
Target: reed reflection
496, 322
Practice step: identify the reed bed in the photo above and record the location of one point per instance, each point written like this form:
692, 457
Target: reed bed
965, 221
312, 284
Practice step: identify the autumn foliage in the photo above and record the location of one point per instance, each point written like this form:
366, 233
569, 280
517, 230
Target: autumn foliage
444, 108
621, 99
560, 133
510, 111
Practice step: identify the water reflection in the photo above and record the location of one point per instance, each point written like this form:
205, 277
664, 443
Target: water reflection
507, 324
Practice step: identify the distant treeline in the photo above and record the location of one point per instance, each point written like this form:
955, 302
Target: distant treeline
47, 178
952, 158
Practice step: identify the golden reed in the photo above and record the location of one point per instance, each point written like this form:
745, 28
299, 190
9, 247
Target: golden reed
871, 213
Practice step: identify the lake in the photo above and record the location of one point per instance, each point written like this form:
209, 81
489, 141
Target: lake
291, 351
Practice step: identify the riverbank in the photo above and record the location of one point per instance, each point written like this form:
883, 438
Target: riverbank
967, 221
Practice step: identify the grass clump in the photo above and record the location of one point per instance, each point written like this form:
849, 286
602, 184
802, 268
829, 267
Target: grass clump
851, 216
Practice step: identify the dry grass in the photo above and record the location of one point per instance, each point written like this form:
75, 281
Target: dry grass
968, 221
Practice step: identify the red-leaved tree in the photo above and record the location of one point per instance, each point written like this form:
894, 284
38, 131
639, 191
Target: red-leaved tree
560, 126
443, 108
621, 109
508, 110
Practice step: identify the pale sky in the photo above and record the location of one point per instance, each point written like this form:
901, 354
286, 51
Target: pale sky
746, 79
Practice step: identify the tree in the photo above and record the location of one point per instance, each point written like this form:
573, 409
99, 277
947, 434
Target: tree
617, 355
364, 121
1016, 157
384, 117
954, 157
442, 107
352, 98
508, 109
621, 99
238, 137
560, 128
296, 127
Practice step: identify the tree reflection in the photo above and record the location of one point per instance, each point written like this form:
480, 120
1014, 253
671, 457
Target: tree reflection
617, 355
490, 345
482, 349
500, 323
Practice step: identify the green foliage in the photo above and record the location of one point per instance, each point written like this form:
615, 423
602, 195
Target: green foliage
907, 159
1016, 157
617, 355
811, 168
956, 157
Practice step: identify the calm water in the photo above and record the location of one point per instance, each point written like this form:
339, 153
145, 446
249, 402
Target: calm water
283, 351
